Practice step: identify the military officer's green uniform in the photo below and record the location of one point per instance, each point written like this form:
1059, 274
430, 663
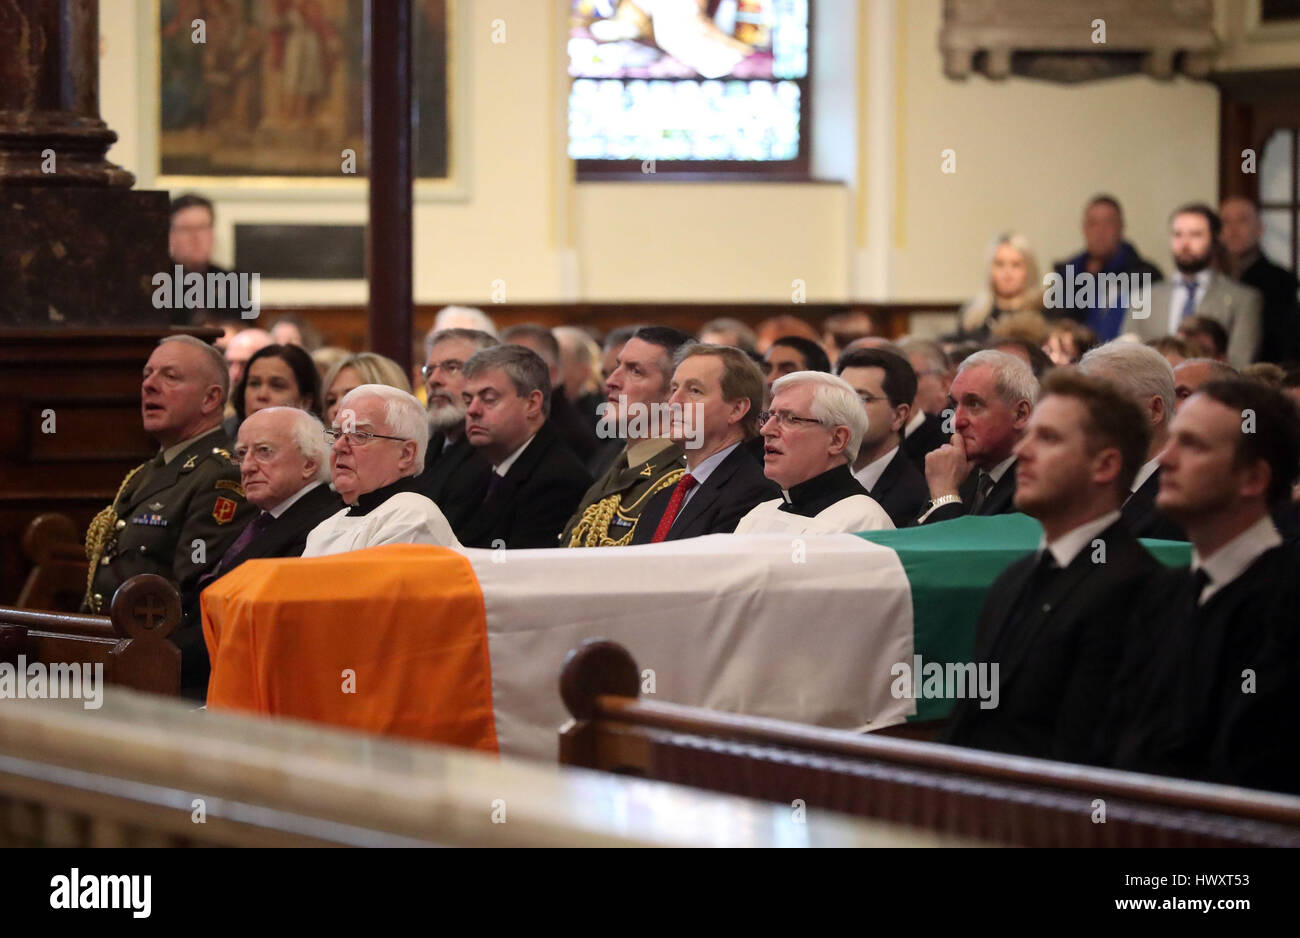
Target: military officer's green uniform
608, 513
173, 516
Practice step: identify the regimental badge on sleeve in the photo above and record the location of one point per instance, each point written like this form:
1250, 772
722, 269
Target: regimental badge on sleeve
224, 510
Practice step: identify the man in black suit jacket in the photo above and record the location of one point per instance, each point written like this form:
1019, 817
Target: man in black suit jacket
284, 472
1280, 317
536, 480
455, 473
718, 392
923, 434
975, 473
576, 429
1145, 376
1208, 688
1052, 623
886, 384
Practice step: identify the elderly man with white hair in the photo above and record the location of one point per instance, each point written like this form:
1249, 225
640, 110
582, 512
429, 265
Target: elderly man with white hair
379, 438
811, 437
1143, 374
992, 399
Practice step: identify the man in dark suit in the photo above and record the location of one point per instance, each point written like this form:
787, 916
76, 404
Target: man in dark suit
536, 479
284, 471
1052, 624
717, 394
1145, 377
455, 473
886, 384
1208, 688
924, 430
975, 473
577, 430
1240, 237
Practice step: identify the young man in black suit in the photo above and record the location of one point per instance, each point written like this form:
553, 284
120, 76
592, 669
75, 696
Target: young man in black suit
536, 480
923, 433
284, 471
1146, 376
1053, 622
975, 473
455, 473
886, 383
1209, 688
717, 394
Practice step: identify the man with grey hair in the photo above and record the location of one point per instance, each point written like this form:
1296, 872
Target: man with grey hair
923, 433
575, 429
455, 473
177, 514
463, 317
992, 398
379, 439
284, 470
536, 479
1144, 375
811, 437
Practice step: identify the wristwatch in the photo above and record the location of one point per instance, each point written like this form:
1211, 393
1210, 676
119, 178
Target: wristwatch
936, 503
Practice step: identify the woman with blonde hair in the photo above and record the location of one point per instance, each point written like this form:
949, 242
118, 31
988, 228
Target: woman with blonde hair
1014, 287
356, 370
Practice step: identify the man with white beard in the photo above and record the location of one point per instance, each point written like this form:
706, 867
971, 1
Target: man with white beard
455, 473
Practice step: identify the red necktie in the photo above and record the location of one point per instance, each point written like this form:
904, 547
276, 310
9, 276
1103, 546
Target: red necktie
684, 485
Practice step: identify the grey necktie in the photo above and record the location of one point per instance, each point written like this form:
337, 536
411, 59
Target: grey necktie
983, 485
1189, 307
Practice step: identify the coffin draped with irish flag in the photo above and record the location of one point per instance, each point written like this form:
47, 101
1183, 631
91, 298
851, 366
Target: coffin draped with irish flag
466, 646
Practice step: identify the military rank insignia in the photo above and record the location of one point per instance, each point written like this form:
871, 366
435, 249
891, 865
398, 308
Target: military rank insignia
224, 510
150, 520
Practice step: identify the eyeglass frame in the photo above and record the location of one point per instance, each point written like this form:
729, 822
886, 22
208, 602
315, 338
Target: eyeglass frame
786, 419
426, 370
335, 435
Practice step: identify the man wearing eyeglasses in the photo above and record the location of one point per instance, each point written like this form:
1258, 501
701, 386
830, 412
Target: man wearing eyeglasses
284, 467
455, 473
378, 443
811, 437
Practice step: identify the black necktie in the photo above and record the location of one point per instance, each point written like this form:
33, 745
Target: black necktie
983, 485
1028, 604
494, 485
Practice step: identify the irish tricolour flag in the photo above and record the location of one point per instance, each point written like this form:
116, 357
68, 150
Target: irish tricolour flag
466, 646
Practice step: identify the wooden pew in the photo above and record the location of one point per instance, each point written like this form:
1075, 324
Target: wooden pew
148, 771
987, 796
132, 642
57, 579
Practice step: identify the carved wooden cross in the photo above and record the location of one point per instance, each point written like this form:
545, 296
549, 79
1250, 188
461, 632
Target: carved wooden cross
146, 612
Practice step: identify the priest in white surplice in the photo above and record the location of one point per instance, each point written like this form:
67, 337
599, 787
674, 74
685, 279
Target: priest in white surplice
811, 437
378, 442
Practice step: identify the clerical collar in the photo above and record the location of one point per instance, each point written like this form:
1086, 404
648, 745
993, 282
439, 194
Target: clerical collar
371, 500
172, 452
813, 496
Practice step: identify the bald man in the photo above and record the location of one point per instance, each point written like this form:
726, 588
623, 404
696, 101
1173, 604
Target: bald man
1246, 262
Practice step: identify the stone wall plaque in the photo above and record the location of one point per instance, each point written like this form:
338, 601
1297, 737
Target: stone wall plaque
1058, 40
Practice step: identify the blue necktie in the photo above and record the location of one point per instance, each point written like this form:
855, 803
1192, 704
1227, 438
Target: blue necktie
1189, 308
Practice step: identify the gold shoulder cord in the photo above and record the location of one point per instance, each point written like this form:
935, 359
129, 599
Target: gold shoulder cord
593, 528
102, 526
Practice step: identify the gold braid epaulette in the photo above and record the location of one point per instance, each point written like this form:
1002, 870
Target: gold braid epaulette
592, 530
101, 527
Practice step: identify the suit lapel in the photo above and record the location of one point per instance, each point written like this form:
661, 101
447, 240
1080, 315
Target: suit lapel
1046, 605
492, 510
710, 490
888, 478
168, 474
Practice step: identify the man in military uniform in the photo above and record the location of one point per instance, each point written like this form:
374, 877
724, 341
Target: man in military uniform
607, 515
176, 514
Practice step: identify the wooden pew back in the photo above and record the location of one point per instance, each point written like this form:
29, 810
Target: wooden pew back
986, 796
132, 642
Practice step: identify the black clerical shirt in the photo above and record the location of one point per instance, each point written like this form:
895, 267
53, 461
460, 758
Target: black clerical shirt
813, 496
371, 500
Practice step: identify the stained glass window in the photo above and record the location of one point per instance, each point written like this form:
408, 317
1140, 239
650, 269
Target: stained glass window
694, 85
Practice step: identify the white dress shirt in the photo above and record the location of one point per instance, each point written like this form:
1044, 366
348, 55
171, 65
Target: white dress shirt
1231, 560
702, 472
288, 503
1066, 547
503, 467
870, 474
1147, 471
